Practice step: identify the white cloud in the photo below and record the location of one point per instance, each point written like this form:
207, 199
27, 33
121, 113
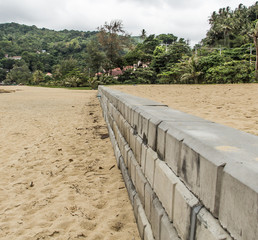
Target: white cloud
184, 18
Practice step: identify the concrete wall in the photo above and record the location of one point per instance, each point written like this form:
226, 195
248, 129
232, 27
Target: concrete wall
187, 178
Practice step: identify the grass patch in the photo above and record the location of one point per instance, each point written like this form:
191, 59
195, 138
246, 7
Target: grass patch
69, 88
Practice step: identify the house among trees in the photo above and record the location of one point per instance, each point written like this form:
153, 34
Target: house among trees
116, 72
14, 57
49, 74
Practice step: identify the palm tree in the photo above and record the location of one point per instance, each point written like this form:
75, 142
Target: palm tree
191, 71
143, 34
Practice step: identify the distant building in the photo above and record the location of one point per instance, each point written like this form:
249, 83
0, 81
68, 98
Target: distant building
127, 68
49, 74
14, 57
116, 72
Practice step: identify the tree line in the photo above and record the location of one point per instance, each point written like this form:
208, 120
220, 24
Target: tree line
111, 56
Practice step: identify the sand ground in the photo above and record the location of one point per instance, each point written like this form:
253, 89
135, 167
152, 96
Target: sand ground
57, 167
234, 105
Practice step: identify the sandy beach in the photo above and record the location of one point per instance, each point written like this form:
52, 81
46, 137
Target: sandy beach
59, 178
233, 105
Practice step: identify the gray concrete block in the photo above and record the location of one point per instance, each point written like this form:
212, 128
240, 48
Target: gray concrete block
127, 132
129, 159
167, 230
208, 228
157, 212
134, 165
140, 184
128, 183
184, 201
126, 115
115, 130
143, 157
132, 140
161, 139
151, 157
123, 146
148, 233
127, 149
238, 211
149, 196
202, 175
173, 148
136, 116
164, 186
138, 149
143, 126
136, 205
142, 221
122, 129
117, 155
152, 131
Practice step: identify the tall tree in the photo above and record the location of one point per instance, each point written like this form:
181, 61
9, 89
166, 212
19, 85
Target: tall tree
143, 34
255, 36
113, 40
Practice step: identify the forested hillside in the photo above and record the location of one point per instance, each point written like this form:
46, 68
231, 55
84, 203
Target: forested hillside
227, 54
231, 28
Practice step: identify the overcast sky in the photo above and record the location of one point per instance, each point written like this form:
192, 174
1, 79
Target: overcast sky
183, 18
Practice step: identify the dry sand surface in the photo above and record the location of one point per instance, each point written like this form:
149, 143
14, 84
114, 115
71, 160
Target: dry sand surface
232, 105
57, 167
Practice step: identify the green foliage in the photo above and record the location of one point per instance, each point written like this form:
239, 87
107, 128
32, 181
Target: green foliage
231, 72
38, 77
20, 74
139, 76
231, 28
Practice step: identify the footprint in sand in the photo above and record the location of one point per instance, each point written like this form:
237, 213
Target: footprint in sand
101, 204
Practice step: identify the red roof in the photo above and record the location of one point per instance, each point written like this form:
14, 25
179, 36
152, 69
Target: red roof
116, 72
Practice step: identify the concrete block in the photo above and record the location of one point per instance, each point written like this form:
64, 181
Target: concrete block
138, 149
143, 157
164, 186
127, 149
122, 129
140, 184
149, 196
151, 157
127, 132
157, 212
115, 130
123, 146
184, 202
202, 175
134, 165
148, 233
167, 230
128, 183
152, 132
132, 140
143, 126
126, 115
142, 221
173, 150
161, 139
136, 116
132, 113
117, 155
109, 119
208, 228
238, 211
129, 159
136, 205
